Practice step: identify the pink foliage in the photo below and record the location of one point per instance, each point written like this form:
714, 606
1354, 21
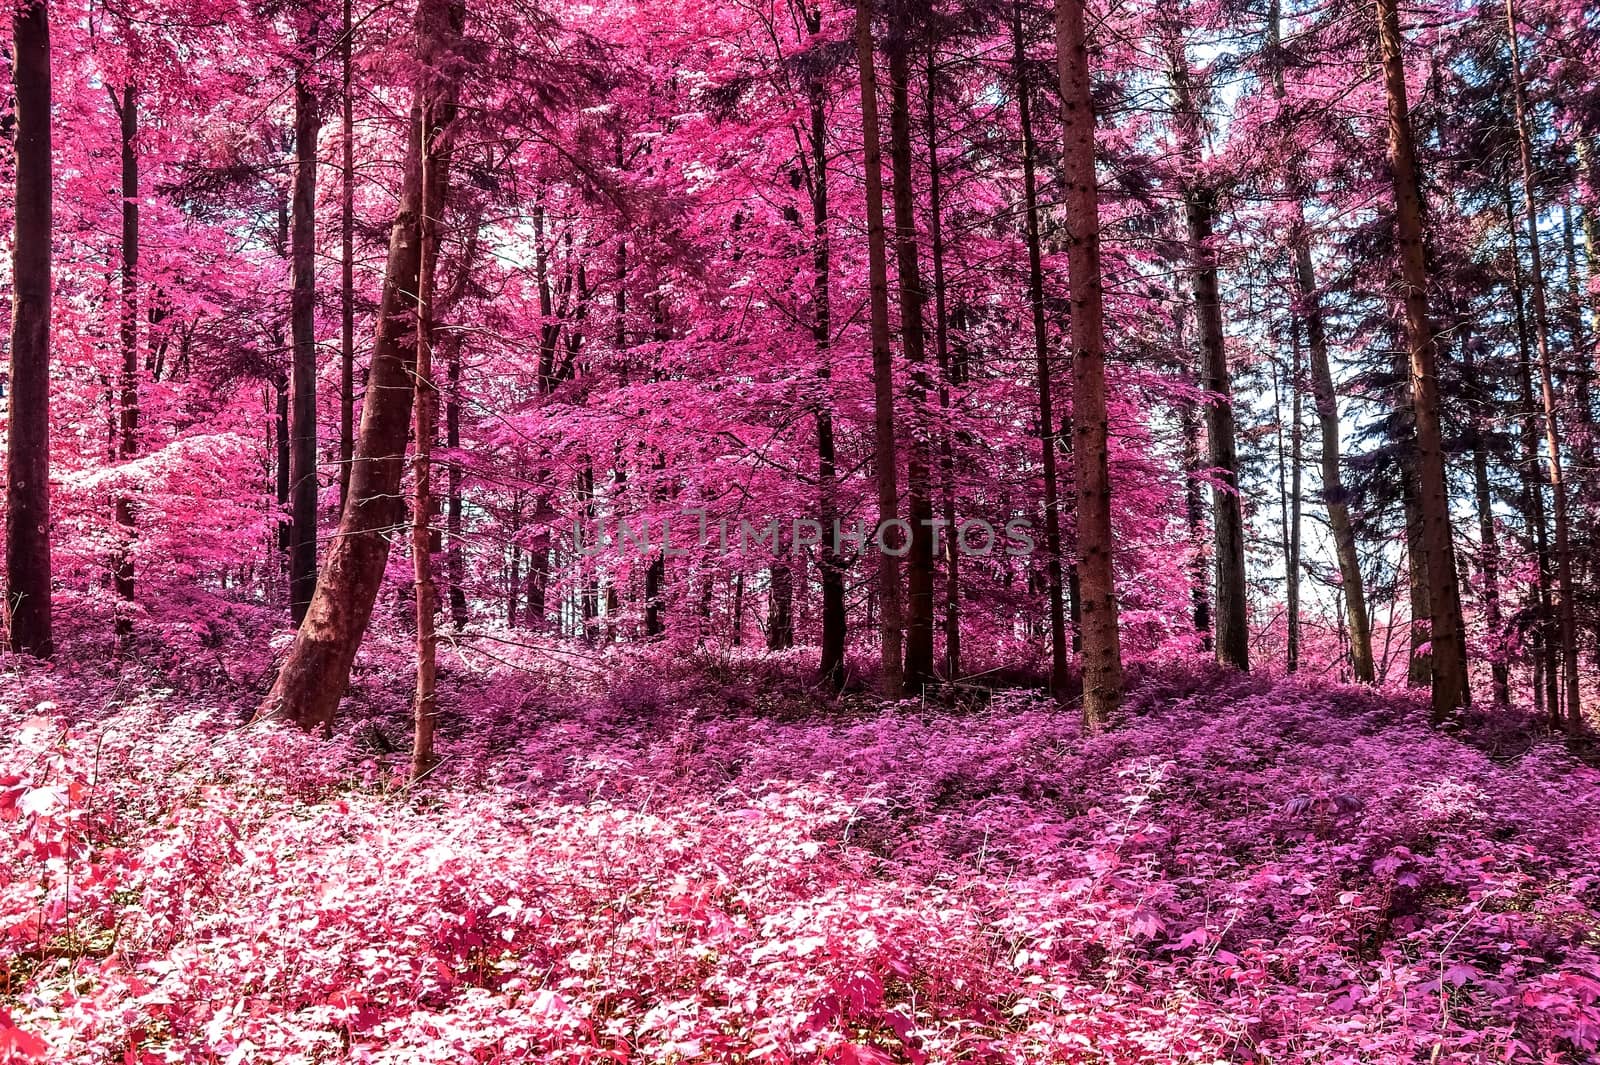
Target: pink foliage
1247, 870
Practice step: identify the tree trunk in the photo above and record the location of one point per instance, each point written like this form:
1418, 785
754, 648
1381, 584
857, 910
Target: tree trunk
347, 266
893, 678
1547, 693
1041, 372
1194, 507
455, 550
1102, 648
27, 599
919, 500
1289, 498
831, 563
424, 709
1566, 609
947, 465
1227, 515
514, 574
303, 373
780, 609
1448, 648
1489, 549
315, 674
128, 398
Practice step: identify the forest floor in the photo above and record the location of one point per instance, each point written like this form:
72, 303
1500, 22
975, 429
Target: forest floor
633, 859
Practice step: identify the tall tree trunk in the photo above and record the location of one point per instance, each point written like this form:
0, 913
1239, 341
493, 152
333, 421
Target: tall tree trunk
1547, 691
128, 397
347, 264
514, 575
27, 601
303, 373
1194, 507
1489, 548
315, 674
893, 677
455, 550
831, 563
1041, 370
919, 500
1566, 609
1102, 645
780, 609
1325, 399
941, 343
424, 708
1448, 656
1289, 499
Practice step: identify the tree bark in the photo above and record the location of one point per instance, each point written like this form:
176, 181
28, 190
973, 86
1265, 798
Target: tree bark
919, 501
1041, 371
315, 674
1227, 515
347, 265
1566, 610
893, 677
128, 390
1102, 647
831, 563
1449, 660
424, 708
1489, 548
941, 343
303, 372
27, 597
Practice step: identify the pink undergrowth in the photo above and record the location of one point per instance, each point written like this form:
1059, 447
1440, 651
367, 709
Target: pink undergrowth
668, 866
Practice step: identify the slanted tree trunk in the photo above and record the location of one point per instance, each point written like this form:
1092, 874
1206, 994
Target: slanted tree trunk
1102, 645
128, 391
1449, 659
315, 674
347, 265
919, 500
893, 678
947, 465
1041, 371
303, 372
1566, 609
27, 597
1227, 514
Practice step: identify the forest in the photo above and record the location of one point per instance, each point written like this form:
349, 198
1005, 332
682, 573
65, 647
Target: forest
800, 532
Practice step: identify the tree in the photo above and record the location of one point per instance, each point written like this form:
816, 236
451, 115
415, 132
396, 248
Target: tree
313, 677
1102, 647
28, 593
1447, 646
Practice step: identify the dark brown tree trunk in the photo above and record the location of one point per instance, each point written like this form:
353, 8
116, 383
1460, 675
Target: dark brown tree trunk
128, 397
919, 500
1489, 549
1448, 646
27, 598
831, 561
947, 465
514, 576
315, 674
1227, 515
455, 550
1194, 508
1289, 498
893, 678
1325, 399
780, 609
1545, 683
425, 705
1048, 441
347, 265
1102, 645
303, 373
1566, 608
